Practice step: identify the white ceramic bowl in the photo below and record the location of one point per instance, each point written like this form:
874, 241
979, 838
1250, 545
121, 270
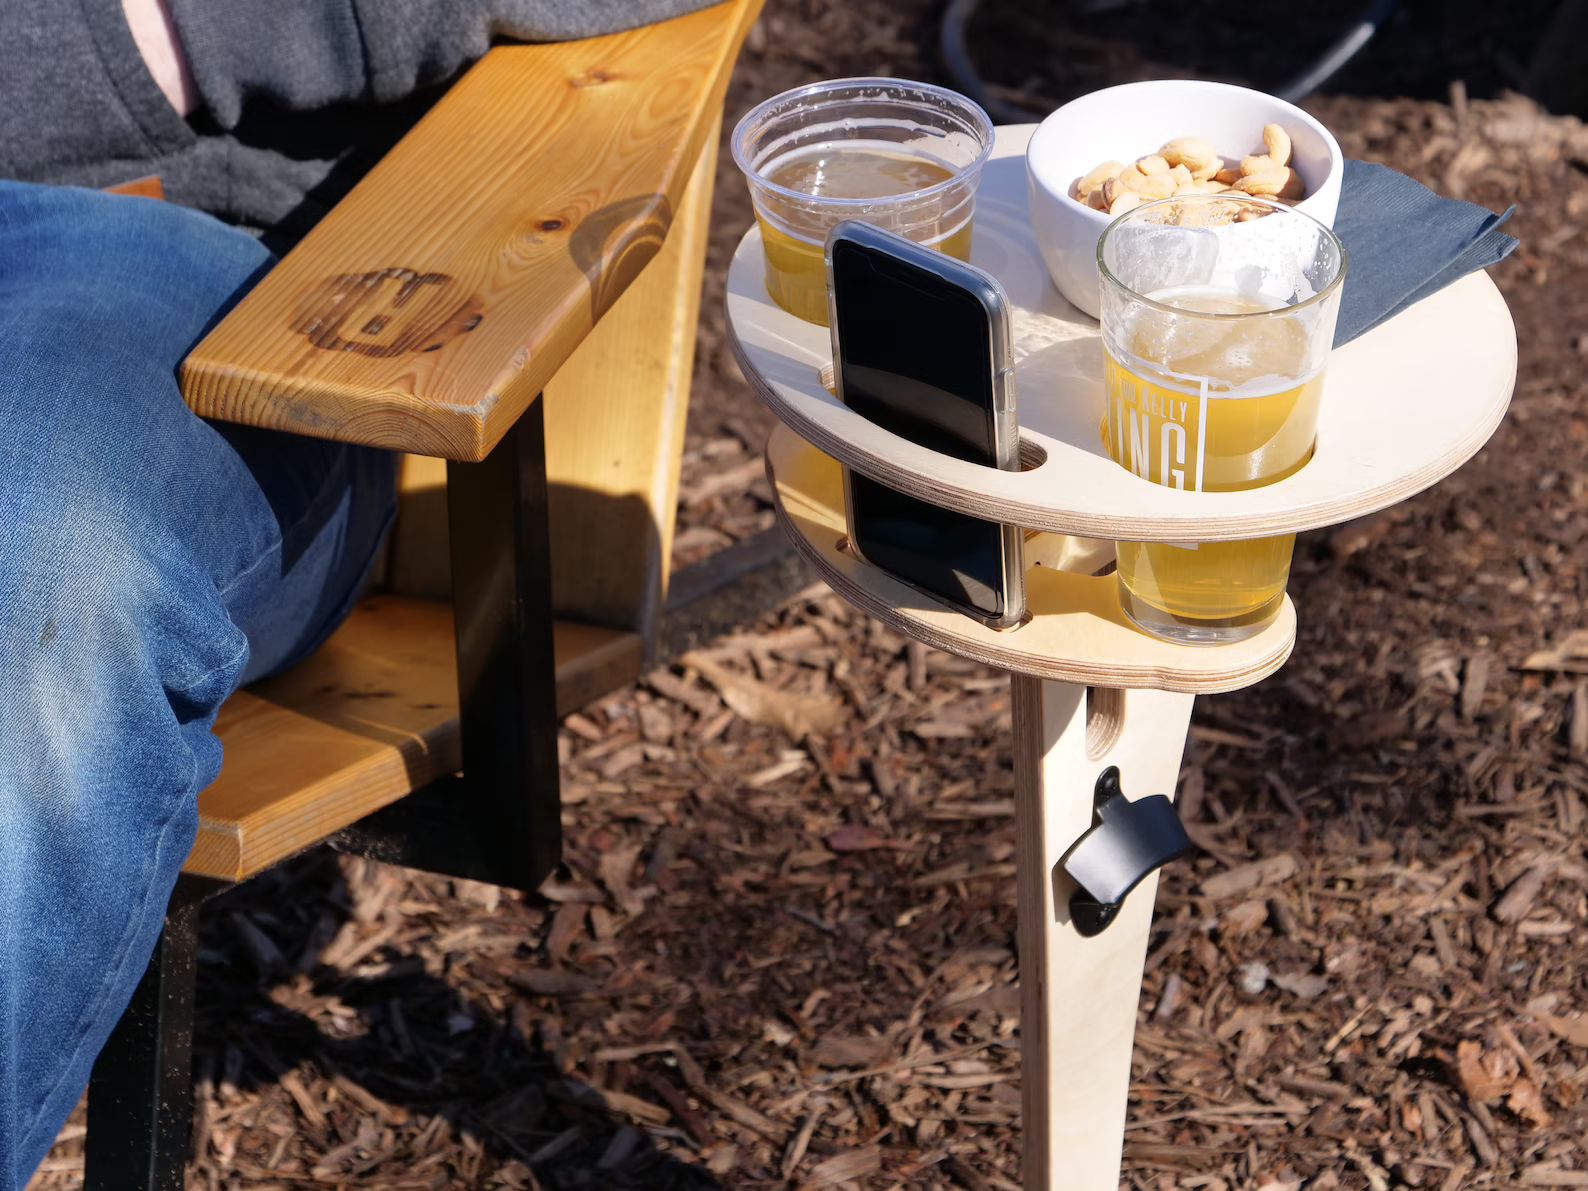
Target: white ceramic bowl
1130, 121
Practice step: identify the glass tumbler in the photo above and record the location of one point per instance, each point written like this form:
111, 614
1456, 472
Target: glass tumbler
904, 156
1218, 314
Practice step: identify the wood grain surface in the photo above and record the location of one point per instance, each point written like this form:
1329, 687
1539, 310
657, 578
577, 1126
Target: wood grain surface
1077, 632
1403, 406
370, 717
431, 306
1078, 995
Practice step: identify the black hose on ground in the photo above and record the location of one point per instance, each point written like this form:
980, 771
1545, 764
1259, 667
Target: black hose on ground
1341, 52
957, 61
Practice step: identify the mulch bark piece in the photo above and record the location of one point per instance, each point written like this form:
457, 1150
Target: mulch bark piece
781, 954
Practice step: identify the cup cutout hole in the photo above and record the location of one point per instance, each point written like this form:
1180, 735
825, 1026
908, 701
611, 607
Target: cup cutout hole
1032, 455
1105, 720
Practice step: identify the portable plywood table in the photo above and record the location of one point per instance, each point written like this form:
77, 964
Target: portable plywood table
1403, 406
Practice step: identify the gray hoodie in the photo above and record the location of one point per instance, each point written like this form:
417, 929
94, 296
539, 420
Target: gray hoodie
289, 90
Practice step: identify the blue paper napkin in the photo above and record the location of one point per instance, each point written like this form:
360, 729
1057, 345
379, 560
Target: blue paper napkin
1404, 242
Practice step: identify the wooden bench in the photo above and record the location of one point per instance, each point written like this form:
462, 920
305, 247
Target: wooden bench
510, 298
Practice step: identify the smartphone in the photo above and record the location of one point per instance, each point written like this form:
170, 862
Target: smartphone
921, 348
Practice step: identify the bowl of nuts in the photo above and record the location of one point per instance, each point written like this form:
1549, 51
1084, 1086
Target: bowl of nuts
1105, 153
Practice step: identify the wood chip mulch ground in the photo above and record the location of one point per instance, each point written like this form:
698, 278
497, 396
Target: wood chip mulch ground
782, 955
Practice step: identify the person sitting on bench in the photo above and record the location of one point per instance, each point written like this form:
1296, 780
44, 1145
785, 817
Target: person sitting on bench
152, 562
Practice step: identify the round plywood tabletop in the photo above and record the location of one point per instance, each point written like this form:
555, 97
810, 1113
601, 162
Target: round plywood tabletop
1403, 405
1076, 632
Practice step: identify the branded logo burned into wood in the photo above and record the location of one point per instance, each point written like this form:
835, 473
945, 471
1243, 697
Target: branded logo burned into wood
387, 312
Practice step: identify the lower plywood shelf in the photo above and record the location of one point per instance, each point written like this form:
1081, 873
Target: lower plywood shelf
1077, 632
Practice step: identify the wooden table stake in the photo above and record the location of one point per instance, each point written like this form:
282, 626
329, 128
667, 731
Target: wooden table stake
1078, 995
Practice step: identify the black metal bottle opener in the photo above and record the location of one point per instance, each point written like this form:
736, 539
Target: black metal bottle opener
1129, 841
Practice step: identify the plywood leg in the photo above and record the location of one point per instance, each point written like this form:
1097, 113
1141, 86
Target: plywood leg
1078, 996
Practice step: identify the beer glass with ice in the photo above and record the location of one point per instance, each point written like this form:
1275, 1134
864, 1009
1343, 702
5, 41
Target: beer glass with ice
1218, 314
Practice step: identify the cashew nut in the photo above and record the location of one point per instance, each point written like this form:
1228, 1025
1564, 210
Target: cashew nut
1158, 186
1217, 214
1094, 180
1269, 184
1282, 182
1126, 200
1277, 141
1196, 154
1189, 165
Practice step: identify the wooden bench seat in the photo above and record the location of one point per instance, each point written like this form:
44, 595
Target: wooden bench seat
371, 717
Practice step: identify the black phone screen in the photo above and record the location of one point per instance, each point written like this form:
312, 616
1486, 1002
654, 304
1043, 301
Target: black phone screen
916, 358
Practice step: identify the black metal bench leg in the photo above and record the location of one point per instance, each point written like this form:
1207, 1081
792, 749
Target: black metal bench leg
501, 821
507, 669
140, 1098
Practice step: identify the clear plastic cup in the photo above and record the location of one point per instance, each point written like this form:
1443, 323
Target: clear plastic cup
902, 155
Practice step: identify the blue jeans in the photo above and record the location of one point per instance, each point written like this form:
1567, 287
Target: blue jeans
150, 563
